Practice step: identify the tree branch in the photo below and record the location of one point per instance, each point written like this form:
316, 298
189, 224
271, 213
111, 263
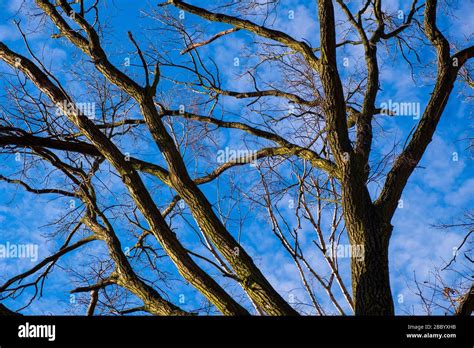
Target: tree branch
299, 46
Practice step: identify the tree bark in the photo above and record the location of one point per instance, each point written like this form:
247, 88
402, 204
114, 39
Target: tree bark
249, 275
134, 184
369, 231
466, 306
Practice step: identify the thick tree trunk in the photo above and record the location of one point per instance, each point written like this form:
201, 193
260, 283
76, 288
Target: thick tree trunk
370, 275
370, 272
369, 232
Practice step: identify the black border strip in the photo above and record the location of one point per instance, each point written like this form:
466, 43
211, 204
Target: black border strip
225, 331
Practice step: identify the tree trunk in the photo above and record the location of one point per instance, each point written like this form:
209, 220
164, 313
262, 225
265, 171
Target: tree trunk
369, 232
370, 273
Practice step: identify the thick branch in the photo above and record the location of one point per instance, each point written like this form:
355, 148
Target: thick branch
286, 148
406, 162
466, 307
262, 31
185, 264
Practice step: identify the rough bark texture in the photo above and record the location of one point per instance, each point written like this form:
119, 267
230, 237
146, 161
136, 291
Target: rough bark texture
368, 222
186, 266
466, 307
370, 275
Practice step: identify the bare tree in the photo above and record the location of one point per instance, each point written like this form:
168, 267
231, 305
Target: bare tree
310, 122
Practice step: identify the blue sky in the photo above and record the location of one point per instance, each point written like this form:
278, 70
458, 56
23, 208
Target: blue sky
440, 190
